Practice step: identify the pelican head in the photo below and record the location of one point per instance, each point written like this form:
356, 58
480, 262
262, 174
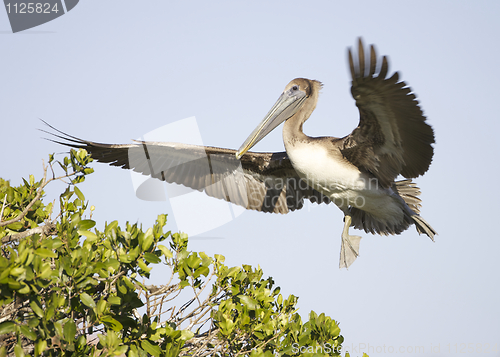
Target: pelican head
290, 102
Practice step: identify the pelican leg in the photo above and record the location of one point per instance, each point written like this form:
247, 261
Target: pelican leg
349, 249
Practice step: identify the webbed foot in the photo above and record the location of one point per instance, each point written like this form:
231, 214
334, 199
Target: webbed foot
349, 249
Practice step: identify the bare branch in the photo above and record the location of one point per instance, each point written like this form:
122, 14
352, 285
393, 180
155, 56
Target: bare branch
46, 230
3, 207
28, 207
39, 193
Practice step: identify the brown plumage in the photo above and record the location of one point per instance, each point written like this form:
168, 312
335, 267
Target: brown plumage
392, 139
263, 182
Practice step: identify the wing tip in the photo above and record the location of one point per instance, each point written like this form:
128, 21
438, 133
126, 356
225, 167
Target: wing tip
351, 64
366, 65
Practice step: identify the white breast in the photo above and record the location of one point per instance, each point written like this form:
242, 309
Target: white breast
342, 182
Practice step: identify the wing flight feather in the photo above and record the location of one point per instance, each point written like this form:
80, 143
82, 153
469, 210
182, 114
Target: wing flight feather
392, 137
264, 182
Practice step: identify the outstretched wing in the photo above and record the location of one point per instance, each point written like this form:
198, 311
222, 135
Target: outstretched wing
264, 182
392, 137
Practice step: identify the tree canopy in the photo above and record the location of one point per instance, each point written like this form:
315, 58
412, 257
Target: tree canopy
68, 288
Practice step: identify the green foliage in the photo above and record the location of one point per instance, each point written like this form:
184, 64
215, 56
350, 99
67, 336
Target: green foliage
69, 289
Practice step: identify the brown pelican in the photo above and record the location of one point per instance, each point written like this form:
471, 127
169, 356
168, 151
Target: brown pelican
356, 172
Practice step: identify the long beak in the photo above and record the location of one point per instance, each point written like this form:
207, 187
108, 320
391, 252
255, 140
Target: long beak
285, 107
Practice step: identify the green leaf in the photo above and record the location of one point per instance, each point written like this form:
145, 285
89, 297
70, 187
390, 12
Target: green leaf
81, 342
227, 326
16, 226
4, 274
112, 263
186, 334
17, 271
86, 224
56, 243
18, 350
33, 322
6, 327
59, 328
69, 330
143, 266
248, 302
87, 300
115, 300
125, 258
112, 323
40, 347
86, 282
45, 271
129, 283
14, 284
121, 350
148, 239
122, 288
201, 271
133, 351
151, 258
110, 227
233, 271
24, 290
49, 243
79, 194
45, 253
150, 348
101, 306
82, 154
166, 252
162, 219
28, 332
90, 236
37, 309
193, 261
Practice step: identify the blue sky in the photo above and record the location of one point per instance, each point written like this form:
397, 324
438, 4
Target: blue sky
114, 71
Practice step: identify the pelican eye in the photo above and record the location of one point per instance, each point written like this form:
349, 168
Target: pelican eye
295, 87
